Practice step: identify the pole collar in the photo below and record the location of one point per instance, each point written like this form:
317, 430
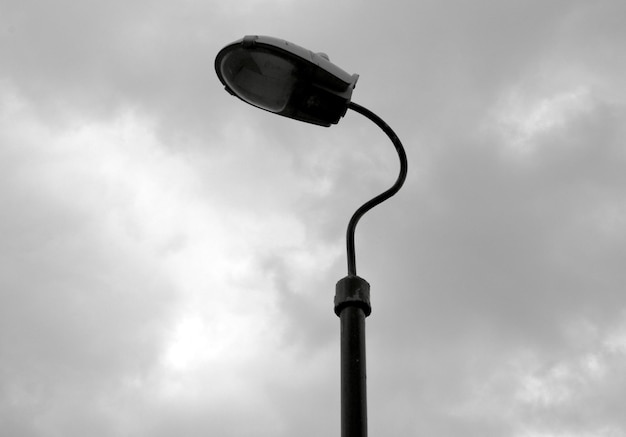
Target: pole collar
352, 291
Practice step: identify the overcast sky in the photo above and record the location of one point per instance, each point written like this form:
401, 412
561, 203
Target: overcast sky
169, 255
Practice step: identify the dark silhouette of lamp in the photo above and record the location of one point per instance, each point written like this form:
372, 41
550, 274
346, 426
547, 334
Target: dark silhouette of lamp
289, 80
286, 79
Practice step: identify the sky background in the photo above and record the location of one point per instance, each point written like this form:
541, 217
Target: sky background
169, 254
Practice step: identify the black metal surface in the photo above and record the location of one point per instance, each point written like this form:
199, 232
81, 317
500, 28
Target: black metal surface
352, 290
381, 197
353, 376
352, 305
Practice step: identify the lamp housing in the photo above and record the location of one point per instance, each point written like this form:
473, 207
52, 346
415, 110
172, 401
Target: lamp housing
286, 79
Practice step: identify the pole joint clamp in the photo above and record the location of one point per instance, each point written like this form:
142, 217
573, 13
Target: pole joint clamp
352, 291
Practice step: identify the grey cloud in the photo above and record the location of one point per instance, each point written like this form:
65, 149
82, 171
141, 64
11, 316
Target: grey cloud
485, 256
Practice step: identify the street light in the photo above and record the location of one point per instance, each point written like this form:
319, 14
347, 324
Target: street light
289, 80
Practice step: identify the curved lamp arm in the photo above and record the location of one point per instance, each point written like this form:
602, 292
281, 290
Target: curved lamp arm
381, 197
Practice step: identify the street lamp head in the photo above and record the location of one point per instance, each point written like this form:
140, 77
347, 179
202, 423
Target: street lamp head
286, 79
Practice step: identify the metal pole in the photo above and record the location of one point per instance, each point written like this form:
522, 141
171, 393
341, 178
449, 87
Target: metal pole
352, 305
382, 196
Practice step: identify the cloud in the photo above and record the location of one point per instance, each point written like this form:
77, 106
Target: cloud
134, 277
82, 305
169, 254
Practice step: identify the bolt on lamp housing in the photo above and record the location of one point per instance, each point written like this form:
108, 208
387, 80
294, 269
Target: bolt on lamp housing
286, 79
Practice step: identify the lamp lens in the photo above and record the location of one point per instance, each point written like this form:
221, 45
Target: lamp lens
260, 78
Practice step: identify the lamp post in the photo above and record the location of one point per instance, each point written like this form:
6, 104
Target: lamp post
289, 80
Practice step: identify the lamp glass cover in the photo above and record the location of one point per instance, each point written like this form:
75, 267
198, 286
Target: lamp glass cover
259, 77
